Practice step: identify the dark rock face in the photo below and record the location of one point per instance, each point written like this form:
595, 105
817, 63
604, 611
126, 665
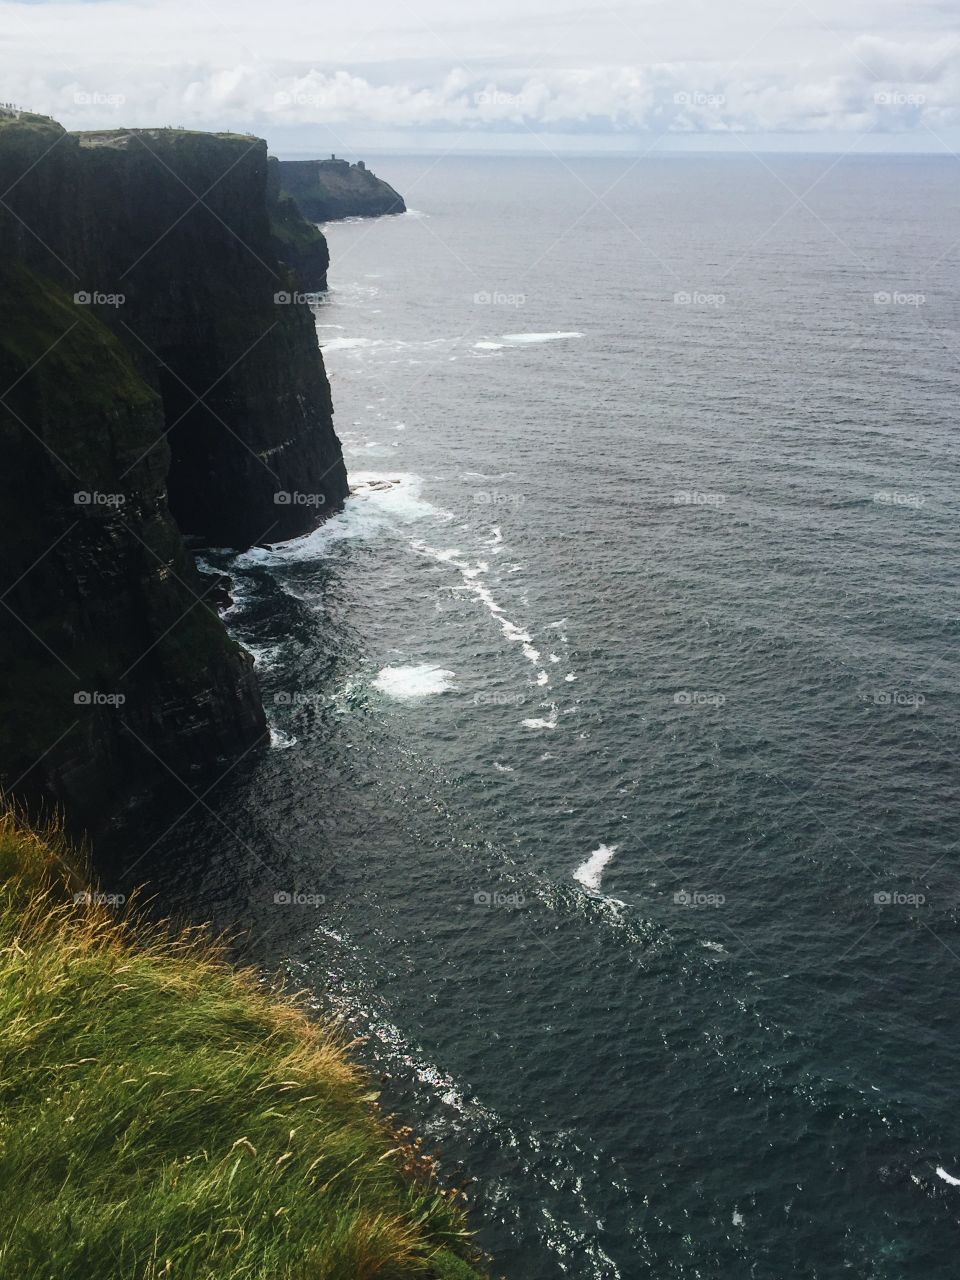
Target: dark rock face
141, 351
300, 244
176, 224
330, 189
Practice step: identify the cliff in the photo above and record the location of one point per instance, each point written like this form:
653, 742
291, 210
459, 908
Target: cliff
158, 377
330, 189
297, 242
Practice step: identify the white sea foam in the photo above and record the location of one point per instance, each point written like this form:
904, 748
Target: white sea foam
471, 574
488, 346
521, 339
947, 1177
348, 344
265, 656
590, 873
541, 722
372, 449
503, 768
378, 502
570, 677
415, 681
388, 345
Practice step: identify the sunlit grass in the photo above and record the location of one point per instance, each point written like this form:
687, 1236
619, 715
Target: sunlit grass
164, 1115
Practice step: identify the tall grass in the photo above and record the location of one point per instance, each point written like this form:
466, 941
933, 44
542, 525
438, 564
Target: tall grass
162, 1115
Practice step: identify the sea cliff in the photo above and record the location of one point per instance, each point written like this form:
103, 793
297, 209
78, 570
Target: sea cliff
159, 377
330, 189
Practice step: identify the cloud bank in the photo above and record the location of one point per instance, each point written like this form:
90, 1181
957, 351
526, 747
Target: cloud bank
149, 64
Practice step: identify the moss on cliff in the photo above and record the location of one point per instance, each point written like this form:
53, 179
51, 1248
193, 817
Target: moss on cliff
164, 1115
86, 364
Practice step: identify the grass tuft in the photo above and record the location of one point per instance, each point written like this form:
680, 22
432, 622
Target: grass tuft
164, 1117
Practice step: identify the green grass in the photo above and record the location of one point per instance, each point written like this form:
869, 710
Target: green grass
163, 1114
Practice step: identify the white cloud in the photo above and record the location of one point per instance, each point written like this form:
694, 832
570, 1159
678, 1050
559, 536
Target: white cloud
251, 67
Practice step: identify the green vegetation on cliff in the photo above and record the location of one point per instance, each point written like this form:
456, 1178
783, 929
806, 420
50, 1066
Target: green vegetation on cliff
164, 1115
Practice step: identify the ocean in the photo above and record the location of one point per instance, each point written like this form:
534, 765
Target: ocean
612, 794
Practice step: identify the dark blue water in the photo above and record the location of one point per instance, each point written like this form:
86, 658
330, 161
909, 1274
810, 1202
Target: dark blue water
617, 719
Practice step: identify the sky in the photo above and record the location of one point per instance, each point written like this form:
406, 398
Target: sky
504, 75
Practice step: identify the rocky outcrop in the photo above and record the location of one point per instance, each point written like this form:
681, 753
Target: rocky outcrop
298, 243
330, 189
158, 376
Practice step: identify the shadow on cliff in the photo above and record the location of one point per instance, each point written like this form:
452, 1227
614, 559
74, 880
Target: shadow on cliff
159, 375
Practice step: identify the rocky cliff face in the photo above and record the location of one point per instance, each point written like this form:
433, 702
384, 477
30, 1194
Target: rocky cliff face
297, 242
329, 189
157, 377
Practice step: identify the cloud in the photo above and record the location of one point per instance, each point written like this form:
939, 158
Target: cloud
862, 82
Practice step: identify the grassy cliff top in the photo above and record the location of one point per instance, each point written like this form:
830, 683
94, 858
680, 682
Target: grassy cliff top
121, 138
28, 122
164, 1116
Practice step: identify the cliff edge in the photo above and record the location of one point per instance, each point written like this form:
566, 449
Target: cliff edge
159, 376
167, 1115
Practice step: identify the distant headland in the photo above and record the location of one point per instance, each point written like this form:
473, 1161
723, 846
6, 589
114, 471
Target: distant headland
329, 189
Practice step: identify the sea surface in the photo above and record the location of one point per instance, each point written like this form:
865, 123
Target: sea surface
613, 790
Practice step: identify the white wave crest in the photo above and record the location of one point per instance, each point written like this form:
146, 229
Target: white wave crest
522, 339
407, 683
590, 873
